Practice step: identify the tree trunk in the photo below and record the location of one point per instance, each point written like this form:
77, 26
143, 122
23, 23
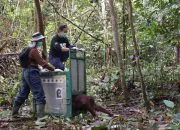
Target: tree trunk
177, 53
137, 55
21, 4
41, 26
103, 16
107, 47
124, 31
35, 21
118, 47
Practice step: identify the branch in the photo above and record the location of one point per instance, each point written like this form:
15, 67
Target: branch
4, 45
85, 24
5, 39
10, 37
74, 23
9, 54
80, 15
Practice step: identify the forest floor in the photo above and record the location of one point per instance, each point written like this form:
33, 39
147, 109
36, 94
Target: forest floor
164, 115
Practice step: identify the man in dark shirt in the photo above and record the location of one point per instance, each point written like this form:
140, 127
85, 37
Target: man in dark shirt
59, 49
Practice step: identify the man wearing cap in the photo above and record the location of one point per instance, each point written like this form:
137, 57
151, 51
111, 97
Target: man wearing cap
59, 49
31, 78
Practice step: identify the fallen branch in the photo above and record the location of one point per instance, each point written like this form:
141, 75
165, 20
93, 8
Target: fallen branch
9, 54
17, 119
3, 46
74, 23
3, 93
7, 39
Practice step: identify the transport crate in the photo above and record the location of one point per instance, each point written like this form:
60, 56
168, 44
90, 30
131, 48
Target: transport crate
57, 89
78, 71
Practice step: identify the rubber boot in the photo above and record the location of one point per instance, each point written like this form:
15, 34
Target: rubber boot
15, 110
40, 110
34, 109
41, 118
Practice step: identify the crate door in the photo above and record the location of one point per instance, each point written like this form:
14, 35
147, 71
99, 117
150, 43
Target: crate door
55, 92
81, 74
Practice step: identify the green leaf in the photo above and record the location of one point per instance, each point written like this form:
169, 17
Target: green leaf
14, 34
177, 117
5, 113
99, 128
1, 78
169, 103
173, 127
41, 122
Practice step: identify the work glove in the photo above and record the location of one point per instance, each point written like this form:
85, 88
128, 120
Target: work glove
66, 69
79, 49
75, 48
40, 67
44, 70
58, 70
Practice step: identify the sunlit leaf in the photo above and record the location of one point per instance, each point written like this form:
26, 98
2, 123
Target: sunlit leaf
1, 78
169, 103
4, 113
173, 127
177, 117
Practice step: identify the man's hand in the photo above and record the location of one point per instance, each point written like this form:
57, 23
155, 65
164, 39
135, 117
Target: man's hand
63, 49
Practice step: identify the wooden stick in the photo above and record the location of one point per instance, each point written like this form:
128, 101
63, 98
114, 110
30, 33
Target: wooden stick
9, 54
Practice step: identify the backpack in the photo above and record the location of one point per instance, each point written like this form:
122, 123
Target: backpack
24, 57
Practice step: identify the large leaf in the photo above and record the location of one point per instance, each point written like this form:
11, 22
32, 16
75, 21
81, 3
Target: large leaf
177, 117
41, 122
1, 78
173, 127
4, 114
169, 103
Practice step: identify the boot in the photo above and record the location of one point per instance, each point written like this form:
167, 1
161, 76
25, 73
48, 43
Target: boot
15, 110
34, 109
40, 110
41, 118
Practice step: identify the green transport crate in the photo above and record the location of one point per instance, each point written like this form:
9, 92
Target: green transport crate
60, 86
57, 89
78, 71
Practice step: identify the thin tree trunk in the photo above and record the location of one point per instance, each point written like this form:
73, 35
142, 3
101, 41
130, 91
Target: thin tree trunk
118, 47
177, 53
21, 4
124, 31
41, 26
103, 16
35, 21
44, 22
137, 55
105, 46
